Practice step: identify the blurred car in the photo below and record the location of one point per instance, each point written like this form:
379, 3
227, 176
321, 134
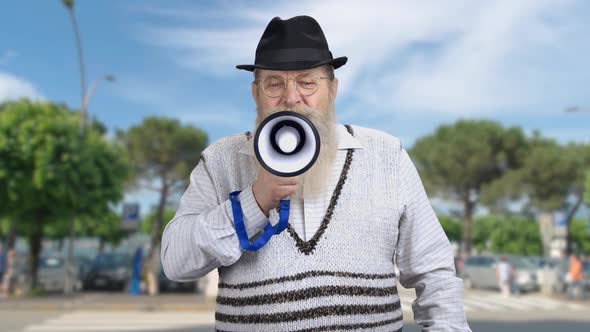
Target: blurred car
84, 266
167, 285
51, 273
547, 267
538, 261
480, 272
109, 271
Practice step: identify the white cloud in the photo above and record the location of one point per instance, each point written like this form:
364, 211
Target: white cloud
13, 87
457, 56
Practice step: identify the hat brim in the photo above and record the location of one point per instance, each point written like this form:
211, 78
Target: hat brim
297, 65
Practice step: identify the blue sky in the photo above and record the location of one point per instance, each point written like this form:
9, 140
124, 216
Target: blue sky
413, 65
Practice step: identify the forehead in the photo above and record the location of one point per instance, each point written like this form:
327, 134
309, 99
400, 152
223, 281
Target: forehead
290, 73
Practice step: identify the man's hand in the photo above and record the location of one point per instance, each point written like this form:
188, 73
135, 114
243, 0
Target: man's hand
269, 189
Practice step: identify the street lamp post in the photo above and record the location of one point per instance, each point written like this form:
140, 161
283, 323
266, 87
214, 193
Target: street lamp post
69, 281
90, 92
576, 109
84, 100
69, 4
568, 236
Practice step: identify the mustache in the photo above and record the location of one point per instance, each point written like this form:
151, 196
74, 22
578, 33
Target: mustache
311, 182
323, 121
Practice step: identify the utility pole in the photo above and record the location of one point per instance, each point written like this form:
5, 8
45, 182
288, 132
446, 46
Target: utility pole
568, 235
84, 100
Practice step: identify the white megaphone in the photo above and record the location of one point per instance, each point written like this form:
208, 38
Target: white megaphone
286, 144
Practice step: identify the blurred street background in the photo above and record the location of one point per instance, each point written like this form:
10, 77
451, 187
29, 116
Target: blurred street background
105, 108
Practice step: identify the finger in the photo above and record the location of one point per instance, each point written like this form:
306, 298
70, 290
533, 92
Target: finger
286, 191
288, 181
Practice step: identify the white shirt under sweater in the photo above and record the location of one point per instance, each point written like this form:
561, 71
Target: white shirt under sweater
201, 238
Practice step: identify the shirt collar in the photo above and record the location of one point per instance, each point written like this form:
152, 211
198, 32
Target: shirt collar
345, 141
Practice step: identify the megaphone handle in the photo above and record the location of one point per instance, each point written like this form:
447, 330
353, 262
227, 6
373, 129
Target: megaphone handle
269, 230
284, 207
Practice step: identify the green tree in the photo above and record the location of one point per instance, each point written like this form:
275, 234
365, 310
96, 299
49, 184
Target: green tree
458, 160
581, 235
516, 236
107, 227
482, 229
587, 192
452, 228
147, 223
163, 152
552, 178
48, 174
506, 234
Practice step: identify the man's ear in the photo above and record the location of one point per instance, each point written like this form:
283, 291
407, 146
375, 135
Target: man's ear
254, 91
334, 87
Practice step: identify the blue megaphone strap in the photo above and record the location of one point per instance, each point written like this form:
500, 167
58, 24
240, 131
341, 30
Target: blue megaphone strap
269, 229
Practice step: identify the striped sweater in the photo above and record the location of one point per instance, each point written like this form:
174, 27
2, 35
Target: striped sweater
343, 277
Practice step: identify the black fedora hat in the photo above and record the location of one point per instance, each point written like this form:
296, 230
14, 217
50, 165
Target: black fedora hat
294, 44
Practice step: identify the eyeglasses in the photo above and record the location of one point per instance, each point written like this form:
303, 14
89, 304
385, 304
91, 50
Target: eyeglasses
275, 86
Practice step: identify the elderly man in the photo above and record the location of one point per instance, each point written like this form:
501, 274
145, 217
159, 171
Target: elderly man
356, 210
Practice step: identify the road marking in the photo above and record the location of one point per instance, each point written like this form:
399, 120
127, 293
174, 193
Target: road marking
477, 304
85, 321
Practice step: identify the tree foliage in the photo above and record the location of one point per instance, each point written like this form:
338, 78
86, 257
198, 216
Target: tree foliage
458, 160
452, 227
516, 236
163, 152
581, 235
147, 223
551, 178
48, 173
507, 234
587, 189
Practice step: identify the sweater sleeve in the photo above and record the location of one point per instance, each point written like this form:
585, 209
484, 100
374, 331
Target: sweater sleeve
201, 236
425, 259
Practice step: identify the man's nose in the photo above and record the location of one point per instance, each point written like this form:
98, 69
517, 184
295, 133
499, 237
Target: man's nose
292, 97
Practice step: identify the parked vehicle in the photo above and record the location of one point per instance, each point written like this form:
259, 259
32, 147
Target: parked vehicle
84, 266
167, 285
52, 273
538, 261
480, 272
109, 271
545, 265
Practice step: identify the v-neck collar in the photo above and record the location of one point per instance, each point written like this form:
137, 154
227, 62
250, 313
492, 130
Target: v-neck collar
307, 247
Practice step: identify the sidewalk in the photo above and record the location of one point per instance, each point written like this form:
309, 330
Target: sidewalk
111, 302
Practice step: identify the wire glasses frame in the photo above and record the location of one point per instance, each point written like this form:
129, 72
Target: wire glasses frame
275, 86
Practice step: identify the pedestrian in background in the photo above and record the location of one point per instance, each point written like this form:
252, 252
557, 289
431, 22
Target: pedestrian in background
575, 277
504, 274
136, 275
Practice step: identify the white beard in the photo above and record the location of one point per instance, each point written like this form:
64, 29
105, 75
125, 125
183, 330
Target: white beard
314, 180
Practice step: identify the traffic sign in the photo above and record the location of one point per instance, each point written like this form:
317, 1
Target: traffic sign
130, 217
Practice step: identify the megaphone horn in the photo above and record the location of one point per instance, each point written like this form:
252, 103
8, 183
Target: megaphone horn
286, 144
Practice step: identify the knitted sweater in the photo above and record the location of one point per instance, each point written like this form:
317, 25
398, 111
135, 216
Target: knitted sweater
343, 277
